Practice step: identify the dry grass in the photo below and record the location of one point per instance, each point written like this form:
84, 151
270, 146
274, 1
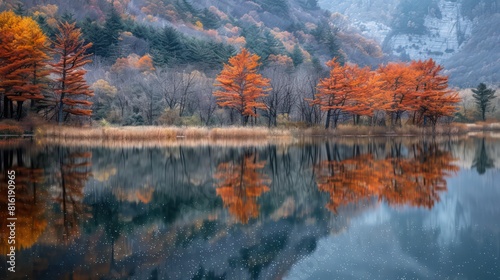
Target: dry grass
162, 136
151, 133
150, 136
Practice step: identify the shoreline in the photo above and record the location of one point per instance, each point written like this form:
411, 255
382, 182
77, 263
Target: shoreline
151, 136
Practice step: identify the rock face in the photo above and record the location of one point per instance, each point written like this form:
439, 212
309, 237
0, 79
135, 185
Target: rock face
446, 28
461, 35
444, 37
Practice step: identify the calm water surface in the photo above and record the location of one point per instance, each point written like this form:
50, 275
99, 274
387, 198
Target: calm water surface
354, 209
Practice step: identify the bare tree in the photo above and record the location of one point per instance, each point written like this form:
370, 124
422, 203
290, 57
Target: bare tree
306, 89
176, 86
282, 98
205, 101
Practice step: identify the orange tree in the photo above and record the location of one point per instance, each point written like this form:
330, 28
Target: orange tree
332, 92
72, 89
400, 84
433, 98
241, 87
23, 61
240, 184
364, 94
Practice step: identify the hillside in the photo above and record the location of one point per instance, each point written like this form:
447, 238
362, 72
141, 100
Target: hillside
290, 28
159, 62
155, 61
461, 35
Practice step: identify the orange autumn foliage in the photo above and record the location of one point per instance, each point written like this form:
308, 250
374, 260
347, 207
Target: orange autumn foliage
416, 181
417, 89
348, 89
241, 87
433, 98
133, 61
72, 89
30, 207
23, 61
240, 184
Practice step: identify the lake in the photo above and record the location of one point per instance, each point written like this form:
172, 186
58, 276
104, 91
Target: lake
361, 208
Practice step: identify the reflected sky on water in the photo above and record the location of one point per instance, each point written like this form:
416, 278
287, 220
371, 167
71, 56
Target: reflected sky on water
359, 209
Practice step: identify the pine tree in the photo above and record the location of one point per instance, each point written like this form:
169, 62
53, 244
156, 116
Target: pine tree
19, 9
72, 89
46, 28
93, 33
209, 19
297, 55
483, 96
167, 46
112, 28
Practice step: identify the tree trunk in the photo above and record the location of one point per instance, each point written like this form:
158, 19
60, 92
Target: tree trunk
327, 125
60, 112
19, 109
5, 107
11, 109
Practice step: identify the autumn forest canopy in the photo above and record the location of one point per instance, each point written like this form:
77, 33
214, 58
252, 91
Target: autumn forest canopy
181, 63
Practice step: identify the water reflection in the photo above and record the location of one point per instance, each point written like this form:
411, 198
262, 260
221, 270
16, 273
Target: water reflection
240, 183
213, 212
30, 200
482, 160
416, 179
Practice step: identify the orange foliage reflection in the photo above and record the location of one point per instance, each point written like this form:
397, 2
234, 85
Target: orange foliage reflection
29, 204
240, 184
416, 181
75, 171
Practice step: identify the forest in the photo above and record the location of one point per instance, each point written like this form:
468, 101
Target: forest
182, 63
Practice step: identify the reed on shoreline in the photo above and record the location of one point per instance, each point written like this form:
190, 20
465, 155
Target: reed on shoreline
155, 133
241, 136
160, 133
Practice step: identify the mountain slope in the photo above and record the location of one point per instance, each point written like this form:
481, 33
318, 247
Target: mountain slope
459, 34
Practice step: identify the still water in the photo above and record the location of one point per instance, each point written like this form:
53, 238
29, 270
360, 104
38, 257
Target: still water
347, 209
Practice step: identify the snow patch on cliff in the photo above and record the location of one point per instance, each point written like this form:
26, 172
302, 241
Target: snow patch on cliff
444, 37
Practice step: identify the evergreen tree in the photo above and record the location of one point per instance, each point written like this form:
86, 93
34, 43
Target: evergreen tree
297, 55
209, 19
19, 9
68, 17
278, 7
483, 96
147, 33
262, 43
167, 46
93, 33
46, 28
112, 28
325, 35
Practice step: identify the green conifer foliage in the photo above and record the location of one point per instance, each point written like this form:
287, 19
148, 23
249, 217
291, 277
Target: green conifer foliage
483, 97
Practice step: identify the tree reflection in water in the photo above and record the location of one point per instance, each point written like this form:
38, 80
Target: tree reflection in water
29, 199
482, 160
156, 212
416, 180
240, 183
